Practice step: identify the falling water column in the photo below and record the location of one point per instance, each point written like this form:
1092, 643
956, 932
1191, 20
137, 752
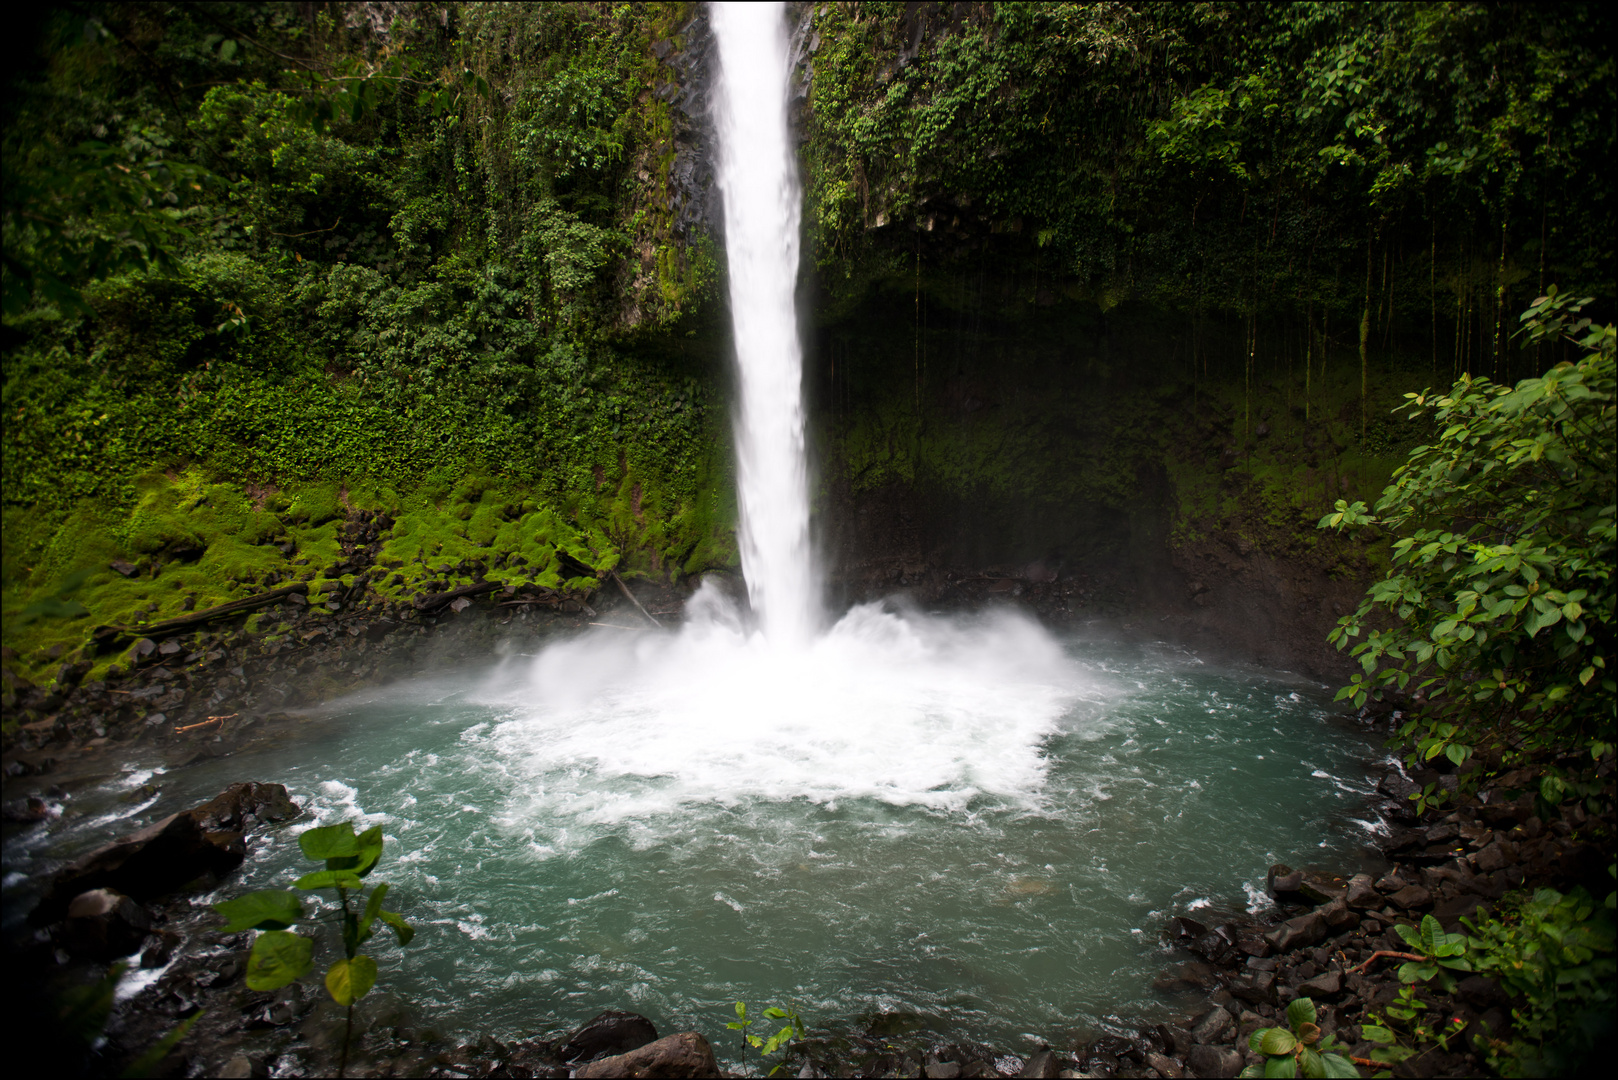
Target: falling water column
759, 181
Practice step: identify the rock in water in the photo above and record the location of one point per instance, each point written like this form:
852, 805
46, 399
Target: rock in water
684, 1055
169, 853
239, 806
613, 1032
103, 925
1043, 1065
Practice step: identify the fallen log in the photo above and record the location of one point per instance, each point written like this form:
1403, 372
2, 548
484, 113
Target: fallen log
631, 597
438, 600
106, 634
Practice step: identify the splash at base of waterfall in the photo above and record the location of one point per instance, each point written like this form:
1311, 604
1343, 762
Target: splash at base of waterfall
889, 704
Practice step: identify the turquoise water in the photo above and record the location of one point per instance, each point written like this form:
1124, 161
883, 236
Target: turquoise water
1001, 878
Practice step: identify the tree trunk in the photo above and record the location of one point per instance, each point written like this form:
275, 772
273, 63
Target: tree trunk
1365, 341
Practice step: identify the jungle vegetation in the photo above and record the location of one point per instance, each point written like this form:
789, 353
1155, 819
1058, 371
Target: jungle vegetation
266, 260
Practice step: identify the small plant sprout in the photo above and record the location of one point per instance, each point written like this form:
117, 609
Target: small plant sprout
1298, 1049
767, 1046
280, 956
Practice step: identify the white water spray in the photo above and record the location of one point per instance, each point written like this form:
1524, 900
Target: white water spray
758, 179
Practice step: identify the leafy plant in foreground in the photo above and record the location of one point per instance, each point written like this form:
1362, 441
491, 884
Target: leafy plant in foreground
1553, 953
280, 956
1423, 1035
1499, 606
1299, 1049
767, 1046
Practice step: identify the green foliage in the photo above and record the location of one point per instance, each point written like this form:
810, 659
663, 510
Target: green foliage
1226, 157
82, 1014
281, 956
1554, 954
1499, 605
1298, 1049
767, 1045
1404, 1033
146, 1063
1442, 952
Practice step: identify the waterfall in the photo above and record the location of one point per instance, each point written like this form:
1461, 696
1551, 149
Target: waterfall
882, 703
758, 179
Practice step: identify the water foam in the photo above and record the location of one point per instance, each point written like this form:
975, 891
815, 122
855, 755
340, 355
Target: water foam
887, 705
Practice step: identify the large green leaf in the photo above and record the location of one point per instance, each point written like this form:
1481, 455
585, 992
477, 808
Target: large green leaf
149, 1060
373, 905
349, 980
370, 850
1277, 1041
329, 879
1300, 1012
278, 958
401, 929
1285, 1066
266, 909
330, 842
1338, 1066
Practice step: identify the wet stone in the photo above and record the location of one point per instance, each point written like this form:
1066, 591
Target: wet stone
1362, 893
1411, 897
1214, 1026
1327, 985
612, 1032
1214, 1061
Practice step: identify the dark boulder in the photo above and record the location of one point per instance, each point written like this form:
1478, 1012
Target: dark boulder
1213, 1026
240, 806
1339, 918
1494, 857
1254, 988
1298, 933
1213, 1061
103, 925
1211, 946
1042, 1064
169, 853
1362, 893
684, 1055
1165, 1066
613, 1032
1192, 975
1305, 886
1323, 987
1282, 880
1411, 897
29, 809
